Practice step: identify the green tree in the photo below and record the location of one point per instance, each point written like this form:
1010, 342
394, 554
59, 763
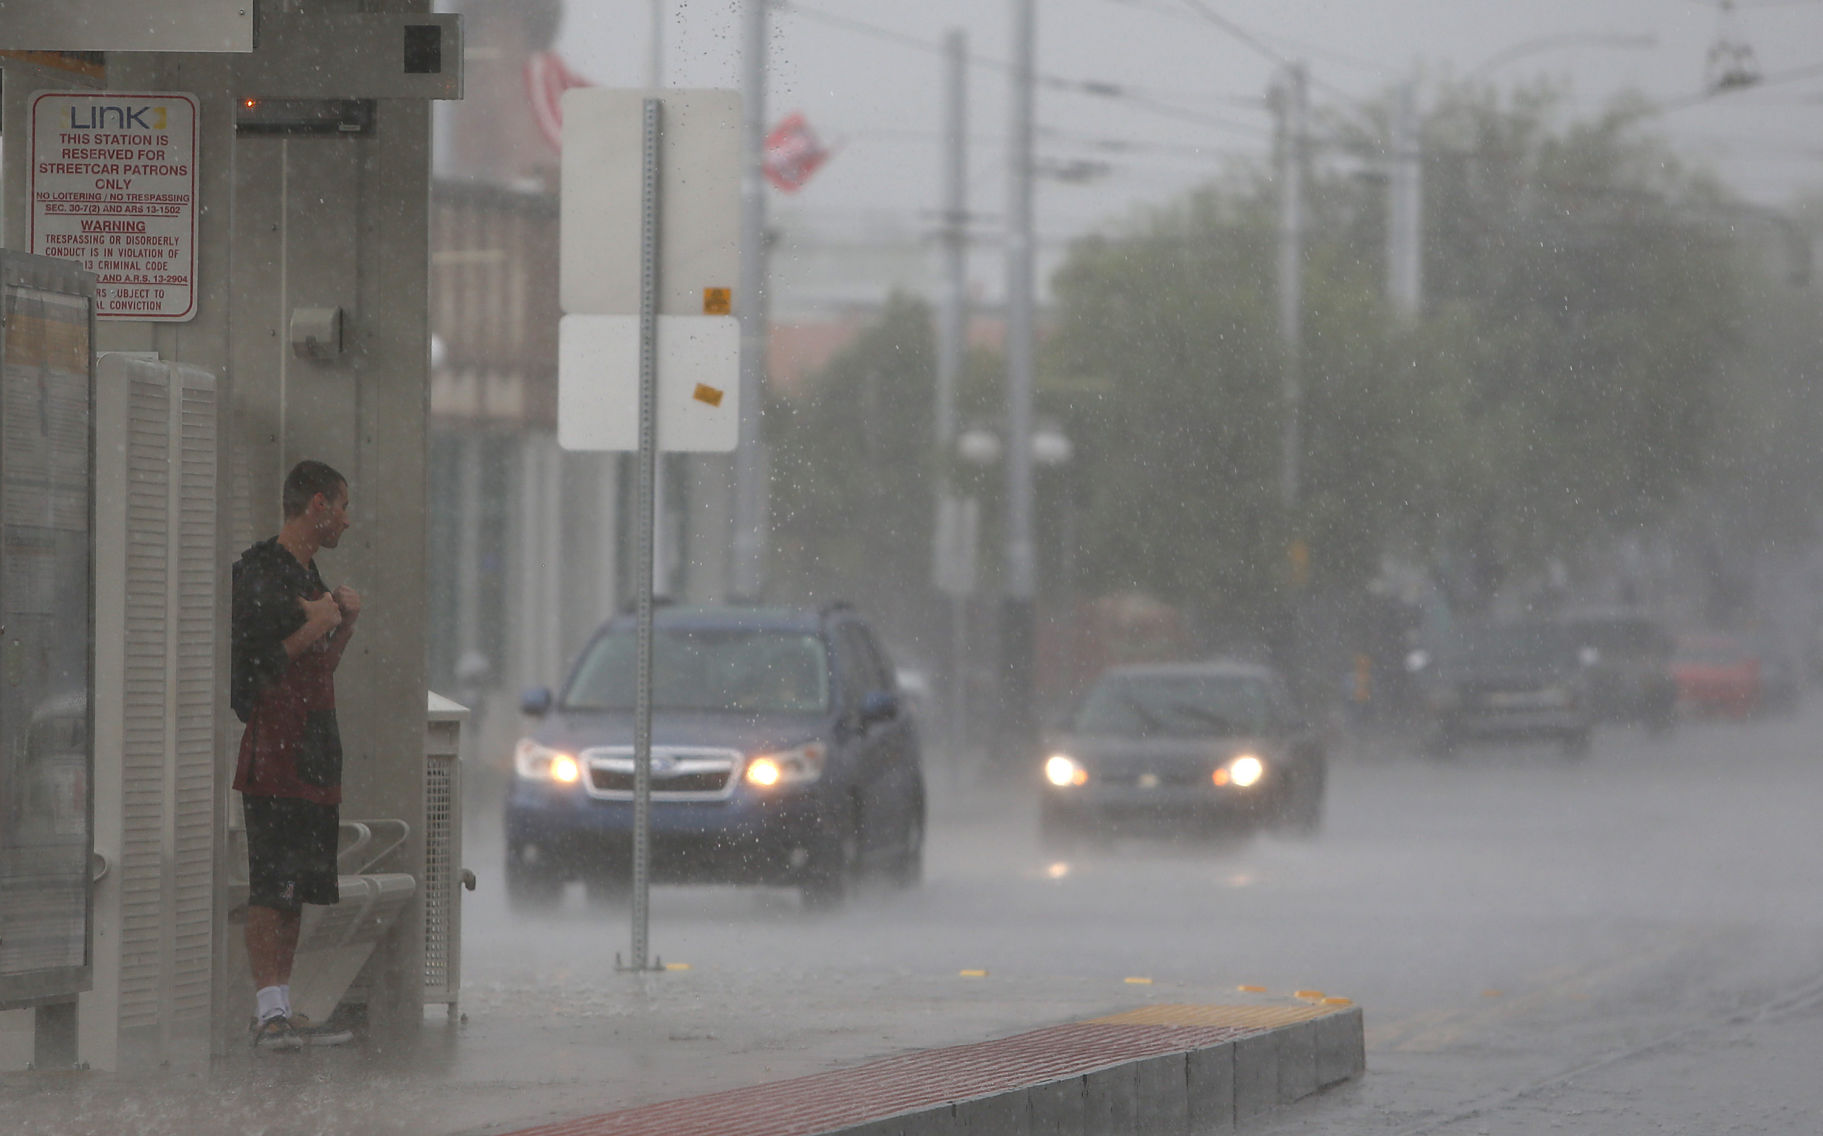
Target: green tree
852, 507
1565, 379
1586, 287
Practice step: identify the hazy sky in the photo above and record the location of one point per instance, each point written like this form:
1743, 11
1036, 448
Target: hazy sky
879, 98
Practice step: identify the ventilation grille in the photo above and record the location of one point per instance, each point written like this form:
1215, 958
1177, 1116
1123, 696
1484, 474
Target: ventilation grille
441, 927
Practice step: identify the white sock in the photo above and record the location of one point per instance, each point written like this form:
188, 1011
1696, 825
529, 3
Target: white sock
272, 1003
285, 998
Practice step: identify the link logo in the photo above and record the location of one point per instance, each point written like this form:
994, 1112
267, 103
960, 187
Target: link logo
114, 116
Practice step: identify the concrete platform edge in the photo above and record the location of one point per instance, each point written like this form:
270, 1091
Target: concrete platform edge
1198, 1092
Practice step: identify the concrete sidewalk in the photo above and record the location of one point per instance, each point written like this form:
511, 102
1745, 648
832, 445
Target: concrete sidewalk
640, 1041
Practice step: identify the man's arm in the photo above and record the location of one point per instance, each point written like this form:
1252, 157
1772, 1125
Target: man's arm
265, 615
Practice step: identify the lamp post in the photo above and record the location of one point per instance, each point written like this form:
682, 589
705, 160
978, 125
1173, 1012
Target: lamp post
982, 447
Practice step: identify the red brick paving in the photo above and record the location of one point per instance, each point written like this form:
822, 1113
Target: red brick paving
893, 1085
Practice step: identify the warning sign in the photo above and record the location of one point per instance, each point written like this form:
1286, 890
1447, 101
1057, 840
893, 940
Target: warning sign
112, 185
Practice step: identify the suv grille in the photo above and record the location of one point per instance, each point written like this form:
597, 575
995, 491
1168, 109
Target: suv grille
679, 773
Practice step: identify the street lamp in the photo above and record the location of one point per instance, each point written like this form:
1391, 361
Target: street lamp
983, 447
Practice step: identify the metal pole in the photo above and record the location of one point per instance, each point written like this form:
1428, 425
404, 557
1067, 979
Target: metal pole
1404, 204
750, 490
648, 516
952, 342
952, 317
1018, 615
1289, 102
655, 59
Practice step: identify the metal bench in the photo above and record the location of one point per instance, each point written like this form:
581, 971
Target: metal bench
334, 943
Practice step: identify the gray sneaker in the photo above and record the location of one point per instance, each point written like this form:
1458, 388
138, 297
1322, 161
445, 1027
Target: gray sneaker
312, 1034
276, 1035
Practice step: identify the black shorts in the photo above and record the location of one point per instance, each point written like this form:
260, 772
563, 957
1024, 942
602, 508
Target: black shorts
291, 848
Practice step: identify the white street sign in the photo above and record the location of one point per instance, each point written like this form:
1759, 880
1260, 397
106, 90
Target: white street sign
112, 185
698, 383
699, 189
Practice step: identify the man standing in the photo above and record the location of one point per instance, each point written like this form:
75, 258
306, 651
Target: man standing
289, 631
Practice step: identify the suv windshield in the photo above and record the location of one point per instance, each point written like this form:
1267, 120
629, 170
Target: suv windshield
729, 669
1181, 706
1621, 636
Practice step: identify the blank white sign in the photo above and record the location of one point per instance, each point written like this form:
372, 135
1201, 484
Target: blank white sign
699, 400
699, 226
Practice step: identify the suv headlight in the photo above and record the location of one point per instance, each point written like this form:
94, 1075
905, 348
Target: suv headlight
537, 762
1063, 771
799, 765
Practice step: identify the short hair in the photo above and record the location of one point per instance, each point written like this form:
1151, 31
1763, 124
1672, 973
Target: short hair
306, 480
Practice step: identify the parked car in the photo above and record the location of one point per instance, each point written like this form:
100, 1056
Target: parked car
1514, 680
1717, 674
1183, 746
781, 754
1627, 657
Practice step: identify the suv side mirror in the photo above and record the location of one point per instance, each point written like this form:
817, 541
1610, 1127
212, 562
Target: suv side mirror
880, 706
535, 701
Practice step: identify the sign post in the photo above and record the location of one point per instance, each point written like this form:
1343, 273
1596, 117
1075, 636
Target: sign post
650, 179
652, 121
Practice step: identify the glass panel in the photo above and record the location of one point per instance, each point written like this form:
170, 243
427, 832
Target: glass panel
44, 633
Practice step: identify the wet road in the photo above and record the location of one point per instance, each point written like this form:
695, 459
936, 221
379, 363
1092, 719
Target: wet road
1535, 941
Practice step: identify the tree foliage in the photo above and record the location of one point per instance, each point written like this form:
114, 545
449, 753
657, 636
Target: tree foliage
851, 506
1565, 379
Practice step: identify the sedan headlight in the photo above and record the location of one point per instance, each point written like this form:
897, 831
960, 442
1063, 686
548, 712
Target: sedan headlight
537, 762
1244, 771
797, 766
1063, 771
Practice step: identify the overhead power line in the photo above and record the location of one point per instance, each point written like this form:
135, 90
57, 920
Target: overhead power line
1154, 102
1242, 35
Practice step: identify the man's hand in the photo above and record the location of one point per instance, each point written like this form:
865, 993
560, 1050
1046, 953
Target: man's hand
322, 614
348, 602
321, 617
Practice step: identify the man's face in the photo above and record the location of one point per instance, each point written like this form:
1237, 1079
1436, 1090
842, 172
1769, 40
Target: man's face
332, 517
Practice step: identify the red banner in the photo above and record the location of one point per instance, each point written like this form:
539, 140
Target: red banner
793, 153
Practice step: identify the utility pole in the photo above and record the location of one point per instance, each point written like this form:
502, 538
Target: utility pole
750, 489
1289, 101
655, 56
952, 345
952, 317
1405, 206
1019, 615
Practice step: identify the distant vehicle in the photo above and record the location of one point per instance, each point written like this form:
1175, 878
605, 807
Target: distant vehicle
1717, 674
782, 754
916, 691
1781, 682
1195, 747
1627, 666
1521, 680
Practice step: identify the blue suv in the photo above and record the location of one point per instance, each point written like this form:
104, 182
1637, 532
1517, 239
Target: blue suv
781, 754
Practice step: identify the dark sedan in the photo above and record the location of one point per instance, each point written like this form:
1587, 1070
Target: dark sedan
1186, 747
